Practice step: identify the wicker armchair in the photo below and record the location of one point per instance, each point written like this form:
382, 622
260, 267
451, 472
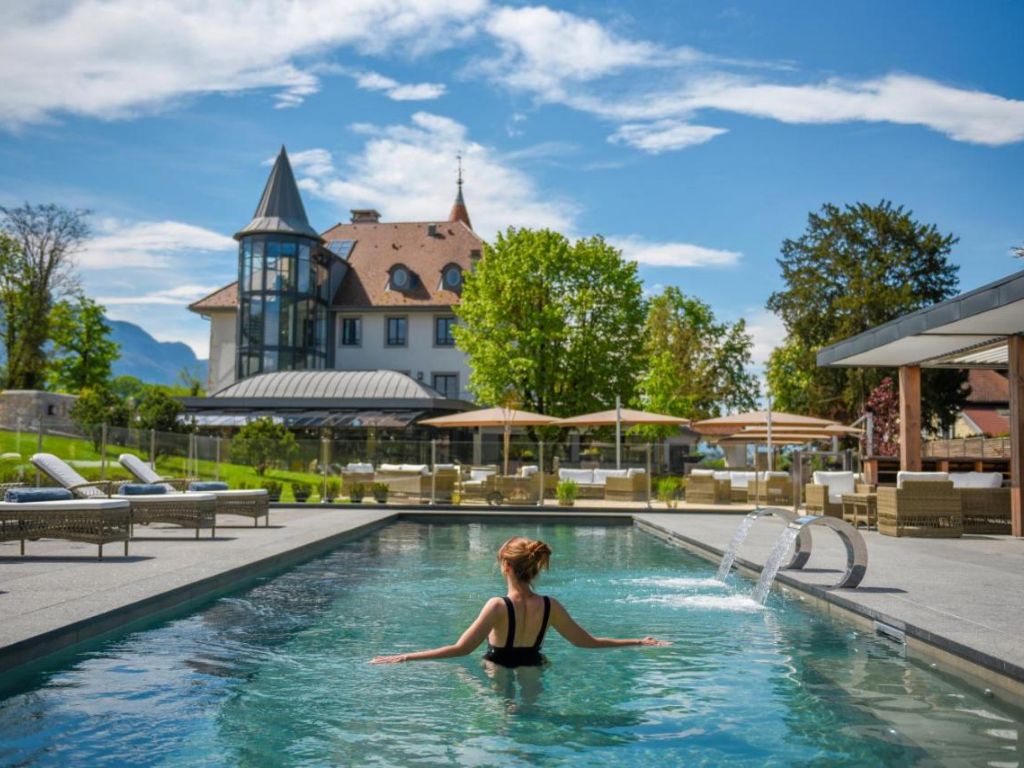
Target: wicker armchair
772, 491
985, 510
706, 489
924, 509
626, 488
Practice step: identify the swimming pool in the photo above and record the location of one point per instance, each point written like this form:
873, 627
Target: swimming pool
278, 674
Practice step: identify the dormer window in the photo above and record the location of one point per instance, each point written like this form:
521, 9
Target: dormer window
451, 278
401, 279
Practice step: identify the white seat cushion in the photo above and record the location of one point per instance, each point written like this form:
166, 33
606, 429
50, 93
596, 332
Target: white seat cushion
976, 479
422, 469
64, 474
238, 493
390, 467
64, 506
481, 474
168, 498
741, 479
721, 474
354, 466
918, 477
702, 472
837, 483
634, 471
139, 468
600, 475
580, 476
529, 470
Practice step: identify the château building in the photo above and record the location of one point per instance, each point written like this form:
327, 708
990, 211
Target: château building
364, 295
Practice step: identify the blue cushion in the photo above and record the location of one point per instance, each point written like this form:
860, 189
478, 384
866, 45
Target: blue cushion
24, 495
208, 486
141, 489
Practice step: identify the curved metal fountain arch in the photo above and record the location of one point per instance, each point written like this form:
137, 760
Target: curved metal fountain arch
856, 549
801, 550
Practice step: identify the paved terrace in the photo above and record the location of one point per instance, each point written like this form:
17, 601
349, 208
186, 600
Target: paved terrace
961, 596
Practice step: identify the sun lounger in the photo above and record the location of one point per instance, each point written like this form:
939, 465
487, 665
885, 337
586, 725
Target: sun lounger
254, 503
94, 521
189, 510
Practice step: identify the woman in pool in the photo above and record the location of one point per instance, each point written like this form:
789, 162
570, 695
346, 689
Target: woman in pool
509, 623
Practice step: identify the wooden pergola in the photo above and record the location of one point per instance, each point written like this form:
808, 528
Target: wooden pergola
983, 328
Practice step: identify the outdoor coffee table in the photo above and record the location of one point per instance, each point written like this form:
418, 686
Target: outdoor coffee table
860, 508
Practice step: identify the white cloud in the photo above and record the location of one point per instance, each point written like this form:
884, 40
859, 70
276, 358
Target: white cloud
312, 162
179, 296
118, 58
664, 135
396, 91
562, 58
672, 254
407, 172
148, 244
767, 330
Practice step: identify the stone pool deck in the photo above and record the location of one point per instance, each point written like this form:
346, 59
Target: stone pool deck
956, 600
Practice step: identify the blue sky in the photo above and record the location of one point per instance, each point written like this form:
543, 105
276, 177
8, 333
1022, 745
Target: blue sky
694, 135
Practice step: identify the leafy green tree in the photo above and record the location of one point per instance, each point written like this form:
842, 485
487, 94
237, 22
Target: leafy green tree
82, 353
854, 268
554, 324
697, 367
160, 411
128, 387
263, 444
98, 406
36, 270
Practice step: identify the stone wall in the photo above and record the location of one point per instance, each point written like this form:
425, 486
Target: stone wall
28, 406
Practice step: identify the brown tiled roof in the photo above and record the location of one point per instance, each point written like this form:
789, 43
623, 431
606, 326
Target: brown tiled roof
380, 246
221, 299
989, 420
988, 386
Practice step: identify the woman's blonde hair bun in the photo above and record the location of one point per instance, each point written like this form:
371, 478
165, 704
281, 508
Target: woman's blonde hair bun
525, 557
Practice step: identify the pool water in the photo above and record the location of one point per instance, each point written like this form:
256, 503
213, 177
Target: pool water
278, 674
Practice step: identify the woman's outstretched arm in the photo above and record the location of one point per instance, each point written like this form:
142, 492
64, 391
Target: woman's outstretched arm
465, 645
577, 635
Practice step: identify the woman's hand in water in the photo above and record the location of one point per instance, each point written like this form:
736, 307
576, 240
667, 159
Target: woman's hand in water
653, 641
396, 659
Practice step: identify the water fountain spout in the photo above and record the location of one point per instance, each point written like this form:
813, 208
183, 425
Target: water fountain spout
801, 553
856, 552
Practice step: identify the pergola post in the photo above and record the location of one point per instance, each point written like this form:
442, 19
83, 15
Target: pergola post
910, 418
1015, 348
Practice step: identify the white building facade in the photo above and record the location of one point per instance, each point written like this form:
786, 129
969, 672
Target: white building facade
363, 295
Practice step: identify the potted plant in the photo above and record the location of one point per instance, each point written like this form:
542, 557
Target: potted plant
668, 491
566, 491
356, 492
333, 488
380, 492
273, 489
301, 491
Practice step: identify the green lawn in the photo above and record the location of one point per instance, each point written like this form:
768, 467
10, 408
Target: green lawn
86, 458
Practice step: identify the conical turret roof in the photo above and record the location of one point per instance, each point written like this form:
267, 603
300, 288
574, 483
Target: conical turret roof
280, 209
459, 211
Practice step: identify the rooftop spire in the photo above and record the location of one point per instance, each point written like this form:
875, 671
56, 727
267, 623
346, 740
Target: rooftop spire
280, 208
459, 210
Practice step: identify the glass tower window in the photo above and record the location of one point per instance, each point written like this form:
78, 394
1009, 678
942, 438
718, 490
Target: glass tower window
283, 285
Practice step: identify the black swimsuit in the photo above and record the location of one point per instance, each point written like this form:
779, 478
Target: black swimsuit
512, 656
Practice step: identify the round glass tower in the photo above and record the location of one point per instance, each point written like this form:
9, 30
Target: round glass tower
283, 284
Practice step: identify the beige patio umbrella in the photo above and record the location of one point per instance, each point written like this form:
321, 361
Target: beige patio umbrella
492, 417
619, 417
730, 425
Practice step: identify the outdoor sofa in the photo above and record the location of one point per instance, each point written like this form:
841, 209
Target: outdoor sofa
93, 521
189, 510
417, 481
254, 503
923, 505
705, 486
596, 483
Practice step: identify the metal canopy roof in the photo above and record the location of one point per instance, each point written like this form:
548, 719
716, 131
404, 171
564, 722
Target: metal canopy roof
967, 331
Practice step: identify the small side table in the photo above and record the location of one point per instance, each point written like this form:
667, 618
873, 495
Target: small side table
860, 508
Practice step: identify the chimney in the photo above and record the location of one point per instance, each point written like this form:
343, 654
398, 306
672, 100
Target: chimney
365, 216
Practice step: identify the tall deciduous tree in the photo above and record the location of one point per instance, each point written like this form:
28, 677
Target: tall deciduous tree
263, 444
34, 274
554, 323
697, 367
83, 352
852, 269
